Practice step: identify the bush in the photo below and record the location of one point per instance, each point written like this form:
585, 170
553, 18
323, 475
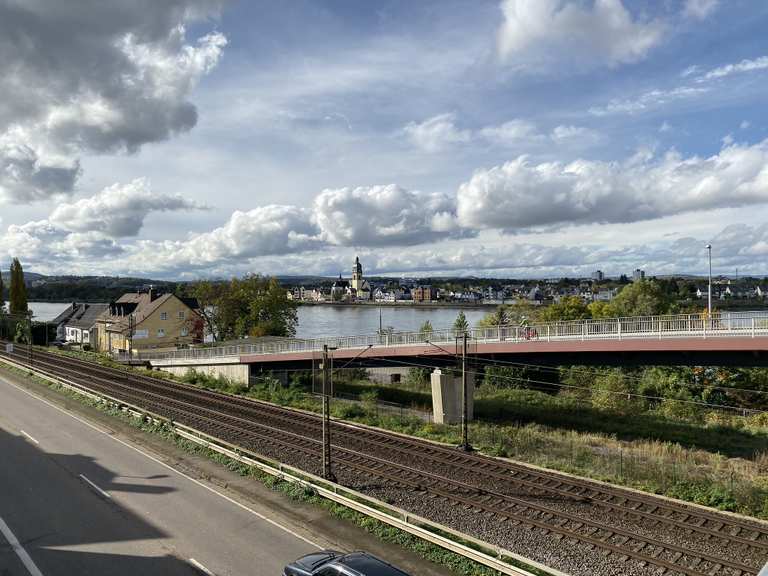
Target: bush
611, 392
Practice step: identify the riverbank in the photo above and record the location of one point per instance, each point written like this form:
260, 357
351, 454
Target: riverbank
409, 304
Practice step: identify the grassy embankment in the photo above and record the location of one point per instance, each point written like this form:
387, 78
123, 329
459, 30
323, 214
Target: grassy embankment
716, 460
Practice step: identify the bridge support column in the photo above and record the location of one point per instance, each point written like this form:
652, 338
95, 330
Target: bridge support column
447, 398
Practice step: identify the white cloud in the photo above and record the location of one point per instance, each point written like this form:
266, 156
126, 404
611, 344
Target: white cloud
699, 9
648, 100
86, 77
436, 133
665, 127
382, 215
513, 132
520, 195
118, 210
569, 134
539, 32
746, 65
744, 124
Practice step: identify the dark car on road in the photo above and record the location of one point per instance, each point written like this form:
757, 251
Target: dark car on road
332, 563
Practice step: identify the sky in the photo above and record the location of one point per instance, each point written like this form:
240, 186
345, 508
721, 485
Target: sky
186, 139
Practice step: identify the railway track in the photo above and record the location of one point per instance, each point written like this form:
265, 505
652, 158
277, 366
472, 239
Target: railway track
640, 532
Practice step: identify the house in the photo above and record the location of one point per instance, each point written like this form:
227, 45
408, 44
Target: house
61, 320
81, 327
144, 320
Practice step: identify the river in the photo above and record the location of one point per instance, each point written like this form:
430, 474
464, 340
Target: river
319, 321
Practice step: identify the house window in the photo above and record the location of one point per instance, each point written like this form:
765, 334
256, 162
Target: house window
181, 314
160, 333
185, 331
163, 315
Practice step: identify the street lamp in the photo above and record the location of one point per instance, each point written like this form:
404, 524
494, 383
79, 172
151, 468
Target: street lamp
709, 290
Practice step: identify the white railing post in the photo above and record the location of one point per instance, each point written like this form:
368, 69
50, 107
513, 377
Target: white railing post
583, 330
548, 339
618, 331
753, 326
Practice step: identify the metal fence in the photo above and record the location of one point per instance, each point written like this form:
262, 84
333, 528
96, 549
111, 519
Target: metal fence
749, 324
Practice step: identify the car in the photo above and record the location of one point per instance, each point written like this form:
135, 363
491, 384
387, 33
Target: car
333, 563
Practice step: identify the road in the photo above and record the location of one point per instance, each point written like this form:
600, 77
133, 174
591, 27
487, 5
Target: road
74, 499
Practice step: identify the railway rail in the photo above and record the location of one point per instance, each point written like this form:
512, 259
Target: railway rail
642, 533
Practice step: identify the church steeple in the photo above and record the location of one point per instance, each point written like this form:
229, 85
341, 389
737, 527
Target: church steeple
357, 274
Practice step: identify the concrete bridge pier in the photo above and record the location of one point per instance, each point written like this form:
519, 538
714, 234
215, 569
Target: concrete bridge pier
447, 397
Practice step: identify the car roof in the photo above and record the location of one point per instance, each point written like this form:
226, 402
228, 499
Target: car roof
369, 565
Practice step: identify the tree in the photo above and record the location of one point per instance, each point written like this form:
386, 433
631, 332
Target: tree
2, 300
251, 306
18, 291
460, 325
642, 298
425, 330
569, 308
498, 317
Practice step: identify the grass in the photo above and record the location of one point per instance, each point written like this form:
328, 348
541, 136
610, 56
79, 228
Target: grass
295, 492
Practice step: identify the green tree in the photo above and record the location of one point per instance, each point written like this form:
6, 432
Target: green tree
498, 317
611, 391
18, 291
250, 306
460, 325
569, 308
642, 298
2, 299
426, 330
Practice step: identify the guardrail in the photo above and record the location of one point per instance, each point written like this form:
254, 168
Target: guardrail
484, 553
725, 324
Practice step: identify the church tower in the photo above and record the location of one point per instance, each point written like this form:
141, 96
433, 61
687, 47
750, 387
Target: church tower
357, 275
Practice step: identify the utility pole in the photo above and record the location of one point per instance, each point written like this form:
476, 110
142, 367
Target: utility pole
709, 289
29, 339
464, 409
327, 389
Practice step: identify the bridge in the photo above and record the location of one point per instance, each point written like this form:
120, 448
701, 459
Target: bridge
727, 338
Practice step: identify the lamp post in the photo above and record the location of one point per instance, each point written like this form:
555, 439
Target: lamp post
709, 288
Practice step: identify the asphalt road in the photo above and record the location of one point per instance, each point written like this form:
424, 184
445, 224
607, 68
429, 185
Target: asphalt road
76, 500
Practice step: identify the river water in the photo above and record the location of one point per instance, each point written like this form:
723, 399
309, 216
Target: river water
348, 320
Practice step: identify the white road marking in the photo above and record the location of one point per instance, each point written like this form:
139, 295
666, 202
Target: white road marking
99, 490
169, 467
19, 549
30, 437
200, 567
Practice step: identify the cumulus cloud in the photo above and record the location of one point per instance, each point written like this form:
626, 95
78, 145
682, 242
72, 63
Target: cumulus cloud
540, 32
103, 77
436, 133
699, 9
118, 210
523, 195
382, 215
440, 132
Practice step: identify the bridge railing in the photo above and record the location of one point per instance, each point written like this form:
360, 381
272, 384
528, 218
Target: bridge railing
668, 326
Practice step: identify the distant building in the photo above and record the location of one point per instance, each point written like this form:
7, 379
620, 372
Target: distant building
598, 276
638, 275
424, 294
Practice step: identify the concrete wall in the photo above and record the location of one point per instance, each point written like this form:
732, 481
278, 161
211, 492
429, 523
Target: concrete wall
447, 401
234, 372
384, 375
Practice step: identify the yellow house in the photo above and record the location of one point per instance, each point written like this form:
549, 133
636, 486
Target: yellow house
142, 320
